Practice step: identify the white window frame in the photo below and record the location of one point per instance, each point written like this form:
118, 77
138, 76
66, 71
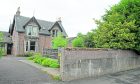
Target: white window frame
31, 28
54, 33
29, 46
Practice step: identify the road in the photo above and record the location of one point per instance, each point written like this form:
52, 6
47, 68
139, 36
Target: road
14, 72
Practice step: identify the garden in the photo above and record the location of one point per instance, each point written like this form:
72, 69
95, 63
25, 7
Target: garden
43, 60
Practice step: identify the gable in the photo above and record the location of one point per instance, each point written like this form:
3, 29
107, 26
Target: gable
32, 21
56, 26
59, 26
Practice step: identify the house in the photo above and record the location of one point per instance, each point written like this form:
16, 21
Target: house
31, 34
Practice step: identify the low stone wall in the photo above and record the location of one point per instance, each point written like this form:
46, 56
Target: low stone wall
80, 63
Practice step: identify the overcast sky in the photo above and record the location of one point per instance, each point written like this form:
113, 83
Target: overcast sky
76, 15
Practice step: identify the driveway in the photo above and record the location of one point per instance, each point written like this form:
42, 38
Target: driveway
14, 72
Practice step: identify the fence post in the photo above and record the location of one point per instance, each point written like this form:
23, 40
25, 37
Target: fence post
61, 55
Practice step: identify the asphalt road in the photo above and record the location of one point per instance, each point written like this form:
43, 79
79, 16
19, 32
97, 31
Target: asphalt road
14, 72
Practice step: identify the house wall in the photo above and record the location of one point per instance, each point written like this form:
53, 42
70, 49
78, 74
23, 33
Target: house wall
15, 42
80, 63
21, 45
44, 42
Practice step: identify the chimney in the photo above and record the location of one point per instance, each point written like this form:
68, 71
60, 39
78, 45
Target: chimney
18, 11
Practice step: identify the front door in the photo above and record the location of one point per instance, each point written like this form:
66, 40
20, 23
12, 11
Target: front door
9, 48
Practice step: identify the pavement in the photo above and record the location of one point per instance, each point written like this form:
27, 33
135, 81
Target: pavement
12, 71
53, 72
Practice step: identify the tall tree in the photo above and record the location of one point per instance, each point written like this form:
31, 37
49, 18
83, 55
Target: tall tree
120, 26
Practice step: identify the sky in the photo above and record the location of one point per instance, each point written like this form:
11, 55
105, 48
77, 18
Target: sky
76, 15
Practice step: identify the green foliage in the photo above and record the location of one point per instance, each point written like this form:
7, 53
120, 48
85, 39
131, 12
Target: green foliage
44, 61
78, 41
29, 54
57, 77
2, 48
30, 58
59, 41
119, 27
89, 40
53, 63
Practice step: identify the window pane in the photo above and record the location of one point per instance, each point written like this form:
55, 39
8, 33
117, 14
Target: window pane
53, 33
28, 30
35, 31
56, 32
32, 48
32, 43
32, 30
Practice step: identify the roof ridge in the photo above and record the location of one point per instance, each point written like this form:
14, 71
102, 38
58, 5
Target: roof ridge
36, 19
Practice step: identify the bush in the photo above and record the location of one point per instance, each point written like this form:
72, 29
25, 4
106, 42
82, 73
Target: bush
54, 65
31, 58
37, 54
29, 54
44, 61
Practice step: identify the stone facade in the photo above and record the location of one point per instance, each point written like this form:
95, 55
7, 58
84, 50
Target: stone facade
81, 63
19, 43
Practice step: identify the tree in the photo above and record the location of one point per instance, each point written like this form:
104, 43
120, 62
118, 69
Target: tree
89, 40
59, 41
120, 26
1, 44
78, 41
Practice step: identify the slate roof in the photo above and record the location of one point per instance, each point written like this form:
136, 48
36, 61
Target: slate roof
7, 38
20, 21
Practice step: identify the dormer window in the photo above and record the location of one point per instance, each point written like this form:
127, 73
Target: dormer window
54, 33
32, 30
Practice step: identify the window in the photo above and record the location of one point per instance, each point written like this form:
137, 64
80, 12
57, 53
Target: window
27, 46
54, 33
31, 30
30, 46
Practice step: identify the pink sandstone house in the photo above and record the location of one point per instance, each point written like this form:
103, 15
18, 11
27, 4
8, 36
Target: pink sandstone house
31, 34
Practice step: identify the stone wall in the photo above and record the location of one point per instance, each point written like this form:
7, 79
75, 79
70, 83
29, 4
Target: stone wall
80, 63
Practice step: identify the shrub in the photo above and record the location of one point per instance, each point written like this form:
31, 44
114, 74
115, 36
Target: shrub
37, 54
44, 61
54, 65
29, 54
31, 58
